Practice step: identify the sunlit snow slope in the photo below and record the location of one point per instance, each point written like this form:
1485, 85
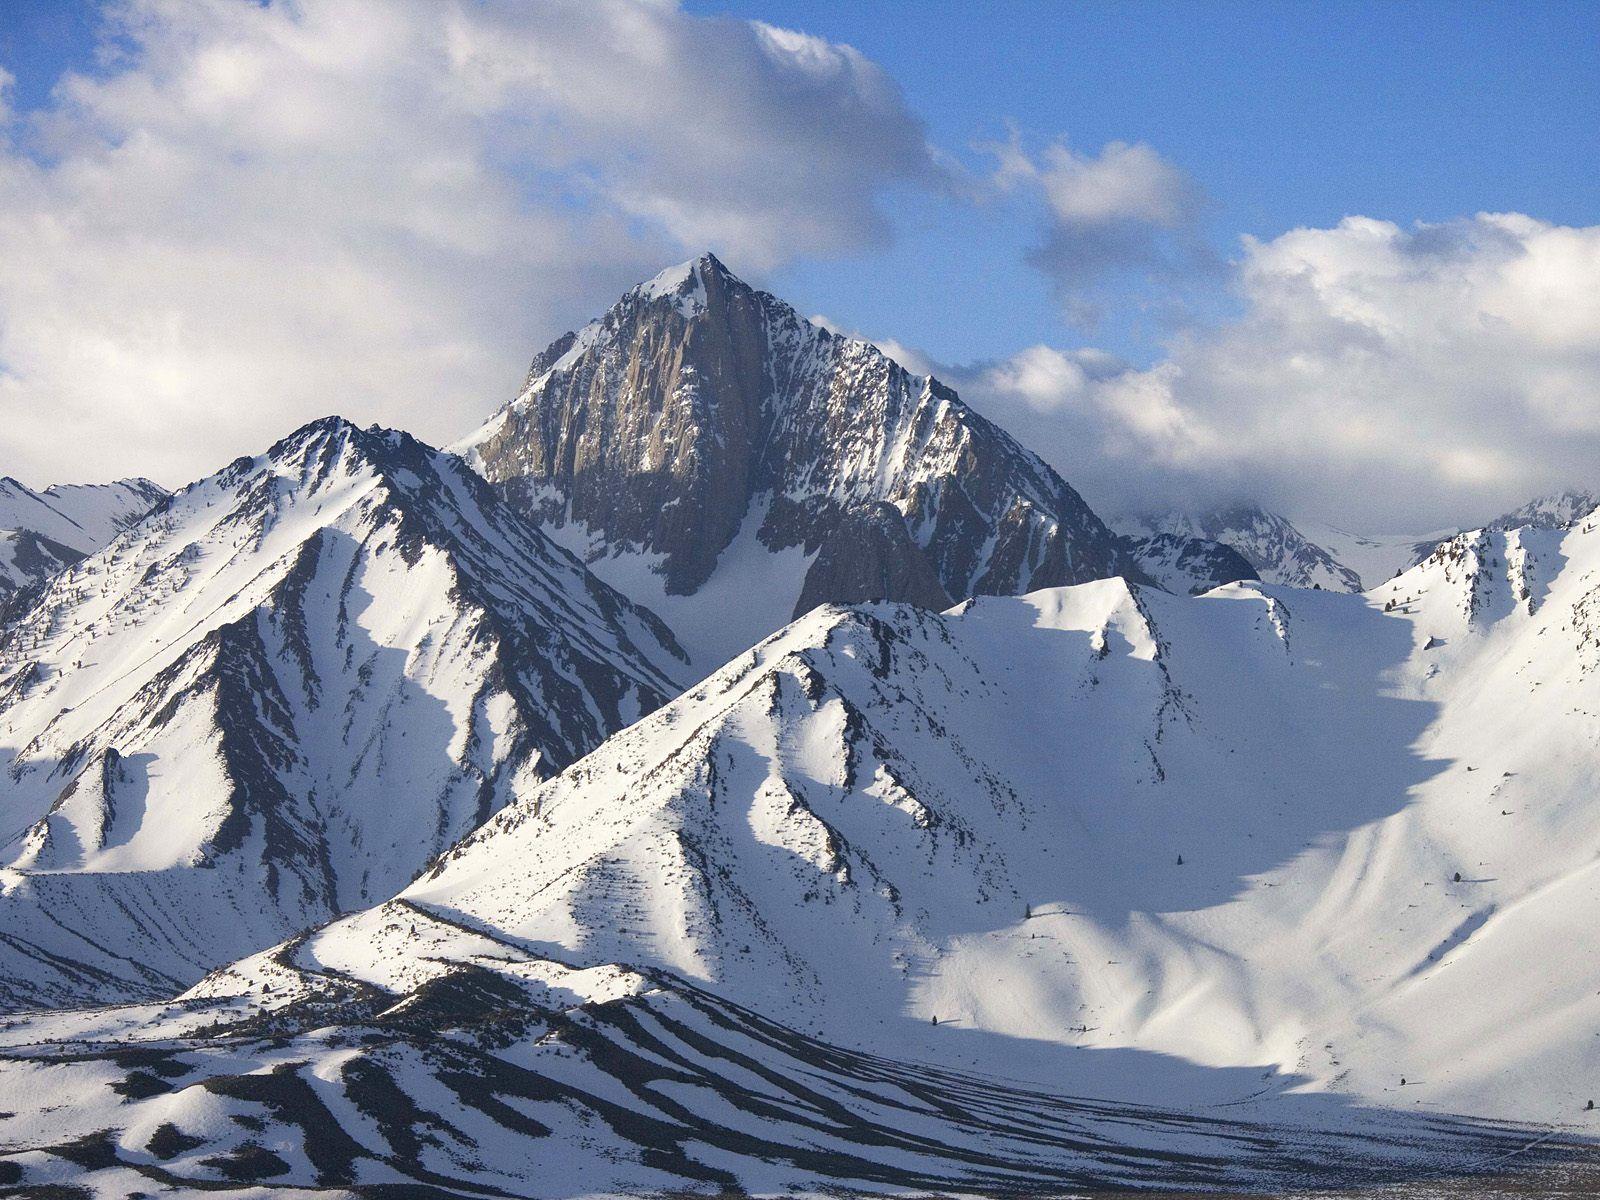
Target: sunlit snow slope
1278, 877
501, 1073
1272, 834
276, 698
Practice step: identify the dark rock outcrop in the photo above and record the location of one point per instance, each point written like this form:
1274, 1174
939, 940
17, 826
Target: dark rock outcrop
869, 556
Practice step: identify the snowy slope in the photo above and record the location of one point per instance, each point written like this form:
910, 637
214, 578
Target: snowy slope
1375, 557
1554, 511
863, 808
728, 463
42, 532
1380, 557
1277, 876
1220, 862
276, 697
507, 1074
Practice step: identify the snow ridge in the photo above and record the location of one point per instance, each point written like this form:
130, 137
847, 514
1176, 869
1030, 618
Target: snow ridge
277, 696
43, 532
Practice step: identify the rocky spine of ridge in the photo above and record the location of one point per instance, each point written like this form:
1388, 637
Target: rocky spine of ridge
660, 427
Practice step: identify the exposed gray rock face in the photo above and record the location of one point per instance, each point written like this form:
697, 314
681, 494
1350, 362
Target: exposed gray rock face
659, 427
1189, 564
870, 555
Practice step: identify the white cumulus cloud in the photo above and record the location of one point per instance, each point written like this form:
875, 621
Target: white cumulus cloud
1378, 375
1126, 210
253, 214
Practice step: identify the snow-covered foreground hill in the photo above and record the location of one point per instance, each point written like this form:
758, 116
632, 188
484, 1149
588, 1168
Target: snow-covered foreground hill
509, 1075
276, 698
1224, 829
1306, 865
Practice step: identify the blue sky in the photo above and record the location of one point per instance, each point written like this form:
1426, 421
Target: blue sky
1188, 251
1286, 114
39, 39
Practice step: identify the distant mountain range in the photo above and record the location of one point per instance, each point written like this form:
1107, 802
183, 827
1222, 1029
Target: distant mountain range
1317, 555
43, 532
739, 767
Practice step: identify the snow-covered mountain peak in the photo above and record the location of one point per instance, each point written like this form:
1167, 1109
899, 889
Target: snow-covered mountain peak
1268, 541
686, 283
1557, 510
731, 464
307, 674
329, 446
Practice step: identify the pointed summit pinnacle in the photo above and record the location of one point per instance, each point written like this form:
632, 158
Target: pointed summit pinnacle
709, 263
687, 278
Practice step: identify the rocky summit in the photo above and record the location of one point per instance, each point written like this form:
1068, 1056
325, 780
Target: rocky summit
703, 437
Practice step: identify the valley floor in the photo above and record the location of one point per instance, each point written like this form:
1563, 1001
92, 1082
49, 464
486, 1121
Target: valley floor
661, 1089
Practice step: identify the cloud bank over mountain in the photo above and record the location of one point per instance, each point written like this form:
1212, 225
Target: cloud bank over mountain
271, 211
1375, 373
